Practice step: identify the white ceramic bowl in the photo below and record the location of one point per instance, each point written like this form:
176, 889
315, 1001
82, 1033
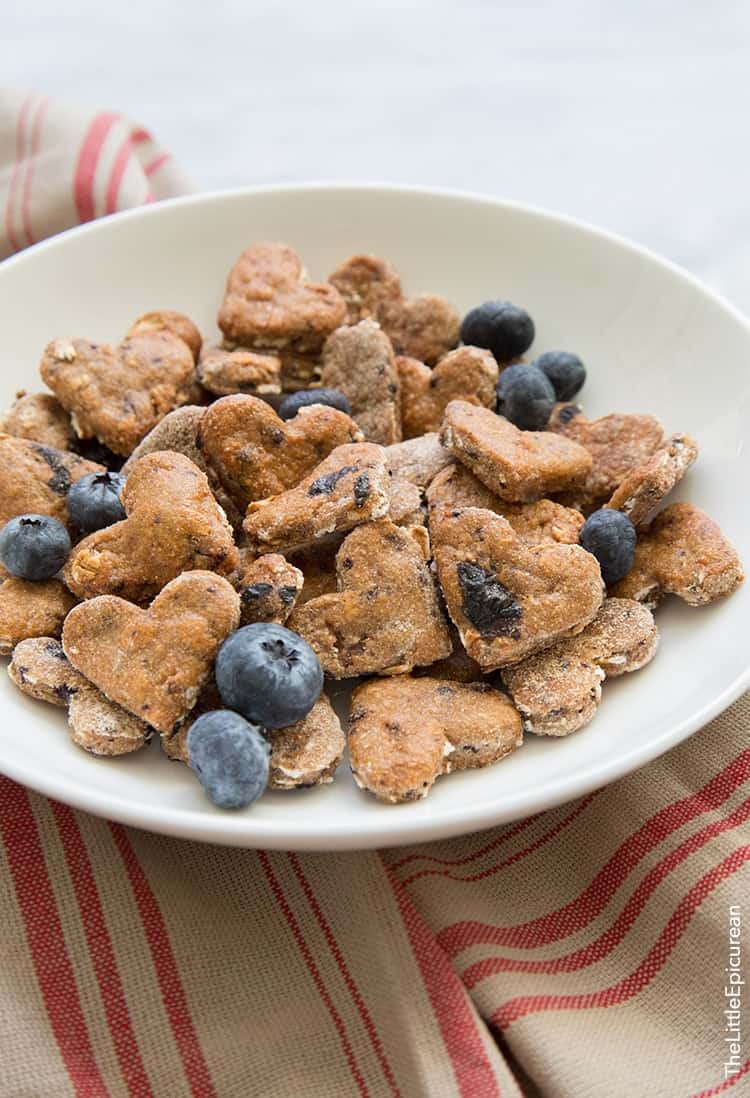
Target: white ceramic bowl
654, 340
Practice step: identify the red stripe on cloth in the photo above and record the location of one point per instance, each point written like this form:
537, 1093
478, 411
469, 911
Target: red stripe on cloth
343, 968
506, 834
30, 164
613, 935
153, 166
46, 940
165, 965
88, 160
586, 906
726, 1084
122, 156
456, 1021
642, 976
102, 955
11, 201
139, 135
317, 979
518, 856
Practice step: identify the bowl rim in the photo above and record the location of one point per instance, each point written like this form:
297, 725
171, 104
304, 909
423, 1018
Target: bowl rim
395, 828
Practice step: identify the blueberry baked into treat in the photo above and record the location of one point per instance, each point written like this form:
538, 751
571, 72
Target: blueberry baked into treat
354, 485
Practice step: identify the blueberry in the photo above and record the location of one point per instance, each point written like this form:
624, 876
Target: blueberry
34, 547
508, 375
501, 327
565, 370
269, 674
611, 537
230, 757
291, 404
94, 501
527, 399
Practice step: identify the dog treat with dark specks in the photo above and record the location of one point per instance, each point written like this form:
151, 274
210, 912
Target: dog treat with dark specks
34, 478
359, 362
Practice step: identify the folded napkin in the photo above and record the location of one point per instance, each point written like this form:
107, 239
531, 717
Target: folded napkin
583, 952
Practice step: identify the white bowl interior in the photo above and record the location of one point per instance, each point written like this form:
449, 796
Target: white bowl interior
654, 341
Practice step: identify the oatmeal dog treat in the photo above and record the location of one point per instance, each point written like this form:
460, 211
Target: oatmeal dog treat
40, 669
309, 751
269, 587
682, 552
366, 284
154, 662
648, 484
40, 417
519, 466
418, 460
507, 598
168, 322
405, 732
385, 617
117, 394
468, 373
256, 454
617, 443
359, 362
350, 487
225, 372
269, 305
406, 503
174, 524
559, 690
34, 479
455, 488
30, 609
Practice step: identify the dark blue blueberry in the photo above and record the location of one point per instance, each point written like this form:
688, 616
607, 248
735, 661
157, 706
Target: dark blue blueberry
509, 374
565, 370
34, 547
291, 404
269, 674
230, 757
611, 537
503, 328
94, 501
527, 399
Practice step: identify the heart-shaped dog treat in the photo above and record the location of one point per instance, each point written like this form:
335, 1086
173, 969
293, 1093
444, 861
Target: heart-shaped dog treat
39, 416
167, 321
154, 662
507, 598
256, 454
226, 372
455, 488
117, 394
359, 362
617, 443
520, 466
682, 552
468, 373
174, 524
405, 732
558, 691
269, 305
350, 487
30, 609
40, 669
643, 489
385, 617
34, 479
366, 283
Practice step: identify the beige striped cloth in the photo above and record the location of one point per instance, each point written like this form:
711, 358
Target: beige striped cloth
594, 951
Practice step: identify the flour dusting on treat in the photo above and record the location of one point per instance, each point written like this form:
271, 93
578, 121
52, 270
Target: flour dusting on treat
682, 552
39, 416
359, 362
268, 304
31, 609
418, 459
405, 732
308, 752
40, 669
406, 503
455, 488
508, 598
174, 524
468, 373
516, 465
224, 372
385, 616
256, 454
643, 489
268, 586
34, 478
559, 690
350, 487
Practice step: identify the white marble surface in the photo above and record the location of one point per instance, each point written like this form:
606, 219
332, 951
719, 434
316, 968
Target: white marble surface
631, 116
